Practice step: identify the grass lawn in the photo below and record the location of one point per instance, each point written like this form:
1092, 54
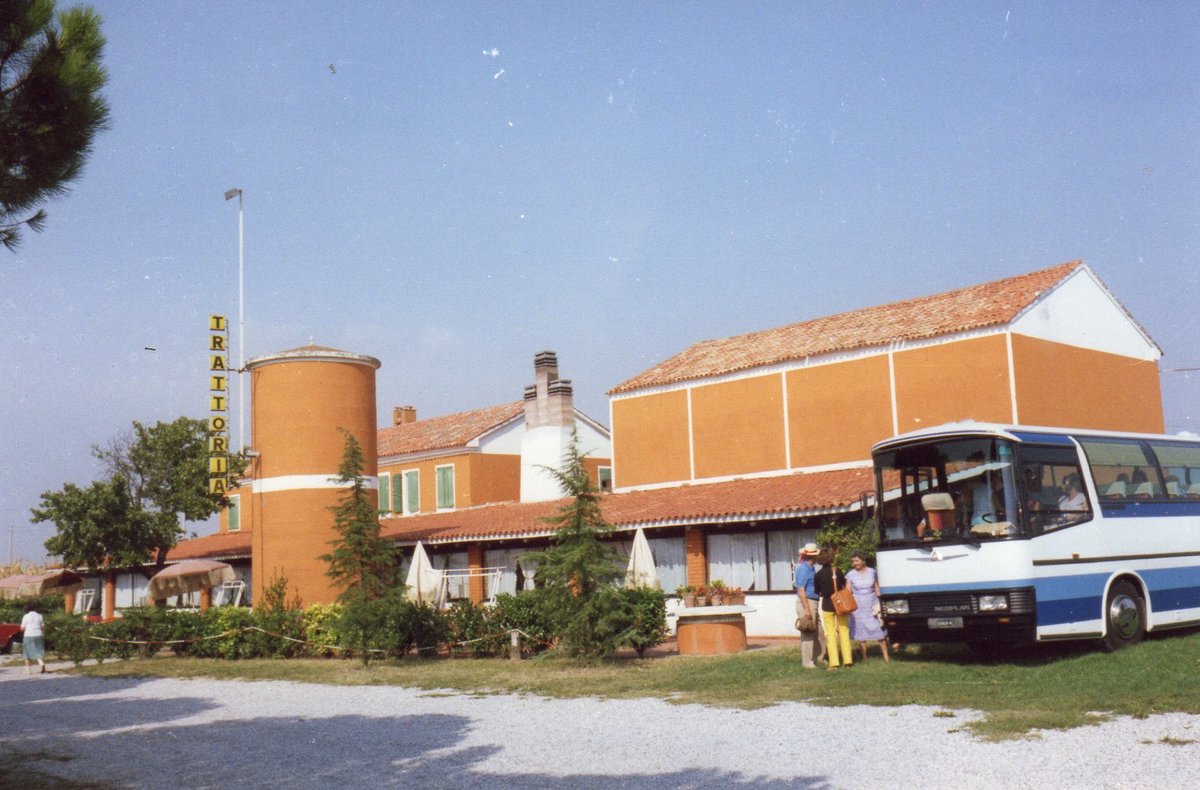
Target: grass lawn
1048, 686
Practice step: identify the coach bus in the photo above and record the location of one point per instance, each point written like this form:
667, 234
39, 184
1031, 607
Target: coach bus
994, 534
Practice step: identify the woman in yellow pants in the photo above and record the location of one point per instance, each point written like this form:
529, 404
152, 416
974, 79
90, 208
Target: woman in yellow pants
837, 626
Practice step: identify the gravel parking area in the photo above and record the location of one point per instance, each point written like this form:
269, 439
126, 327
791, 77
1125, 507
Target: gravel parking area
201, 733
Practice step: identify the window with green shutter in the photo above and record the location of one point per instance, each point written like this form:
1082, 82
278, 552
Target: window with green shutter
412, 491
385, 493
235, 513
397, 492
445, 487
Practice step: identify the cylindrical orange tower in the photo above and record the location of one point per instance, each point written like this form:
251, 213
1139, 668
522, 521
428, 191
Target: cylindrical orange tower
301, 400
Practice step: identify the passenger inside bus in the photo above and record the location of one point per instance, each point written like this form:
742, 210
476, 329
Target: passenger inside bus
939, 517
987, 501
1072, 498
895, 526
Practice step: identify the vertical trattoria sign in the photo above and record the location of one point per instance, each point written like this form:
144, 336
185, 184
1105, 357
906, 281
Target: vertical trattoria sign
218, 404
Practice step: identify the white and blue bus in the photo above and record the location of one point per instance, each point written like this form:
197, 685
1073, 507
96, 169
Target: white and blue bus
1011, 534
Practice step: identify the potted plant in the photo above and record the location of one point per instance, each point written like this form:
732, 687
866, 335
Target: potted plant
687, 594
717, 594
734, 596
701, 596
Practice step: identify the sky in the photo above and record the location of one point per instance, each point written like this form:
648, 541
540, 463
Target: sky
453, 187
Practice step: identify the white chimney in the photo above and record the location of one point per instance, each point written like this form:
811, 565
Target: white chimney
549, 418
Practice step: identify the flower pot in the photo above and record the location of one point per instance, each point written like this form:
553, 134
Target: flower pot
689, 600
718, 599
735, 599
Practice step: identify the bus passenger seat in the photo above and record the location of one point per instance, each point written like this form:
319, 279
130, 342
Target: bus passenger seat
1115, 490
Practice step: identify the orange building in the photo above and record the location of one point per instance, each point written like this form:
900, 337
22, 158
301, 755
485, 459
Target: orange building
1053, 347
735, 451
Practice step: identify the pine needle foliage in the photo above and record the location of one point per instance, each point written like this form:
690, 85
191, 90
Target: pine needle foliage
362, 563
579, 573
51, 106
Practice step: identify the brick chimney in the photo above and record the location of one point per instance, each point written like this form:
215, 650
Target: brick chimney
403, 415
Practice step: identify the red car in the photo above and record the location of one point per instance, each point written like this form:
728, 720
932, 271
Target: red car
10, 637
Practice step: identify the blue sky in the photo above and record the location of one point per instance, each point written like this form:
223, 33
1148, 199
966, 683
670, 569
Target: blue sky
454, 187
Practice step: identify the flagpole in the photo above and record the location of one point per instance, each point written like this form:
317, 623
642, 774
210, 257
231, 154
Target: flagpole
241, 368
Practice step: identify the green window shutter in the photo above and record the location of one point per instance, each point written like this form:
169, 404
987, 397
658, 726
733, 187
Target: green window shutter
385, 493
412, 480
235, 513
397, 492
445, 487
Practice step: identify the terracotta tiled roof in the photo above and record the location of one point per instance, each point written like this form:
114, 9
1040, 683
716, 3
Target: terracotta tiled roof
990, 304
765, 497
451, 430
222, 545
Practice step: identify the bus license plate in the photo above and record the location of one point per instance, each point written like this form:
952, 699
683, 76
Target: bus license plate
945, 622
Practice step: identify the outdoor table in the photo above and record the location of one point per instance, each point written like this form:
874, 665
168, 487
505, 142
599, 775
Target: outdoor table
711, 630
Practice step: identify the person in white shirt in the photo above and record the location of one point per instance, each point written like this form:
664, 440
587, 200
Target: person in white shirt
33, 638
1072, 498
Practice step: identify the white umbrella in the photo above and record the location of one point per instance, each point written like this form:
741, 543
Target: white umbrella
424, 581
641, 571
187, 577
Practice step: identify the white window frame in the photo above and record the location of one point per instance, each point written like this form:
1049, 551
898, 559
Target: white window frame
437, 487
235, 504
408, 481
385, 484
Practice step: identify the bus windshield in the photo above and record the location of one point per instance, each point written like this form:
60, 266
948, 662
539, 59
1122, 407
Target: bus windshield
977, 489
948, 490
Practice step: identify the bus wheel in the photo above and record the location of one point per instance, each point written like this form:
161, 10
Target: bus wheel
1124, 617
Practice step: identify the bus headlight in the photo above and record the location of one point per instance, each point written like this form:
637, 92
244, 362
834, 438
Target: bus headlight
993, 603
895, 606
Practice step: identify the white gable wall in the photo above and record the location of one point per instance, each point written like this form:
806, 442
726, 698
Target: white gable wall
505, 440
1080, 311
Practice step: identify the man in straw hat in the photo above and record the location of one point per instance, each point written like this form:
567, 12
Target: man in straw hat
807, 606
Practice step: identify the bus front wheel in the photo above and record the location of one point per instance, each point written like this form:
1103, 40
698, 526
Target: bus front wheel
1125, 617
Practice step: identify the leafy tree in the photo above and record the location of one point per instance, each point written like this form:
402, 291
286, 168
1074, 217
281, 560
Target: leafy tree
50, 106
363, 564
848, 535
157, 474
98, 527
579, 573
165, 467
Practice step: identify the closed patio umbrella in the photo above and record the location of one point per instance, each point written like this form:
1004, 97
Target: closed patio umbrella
187, 577
641, 571
424, 581
32, 585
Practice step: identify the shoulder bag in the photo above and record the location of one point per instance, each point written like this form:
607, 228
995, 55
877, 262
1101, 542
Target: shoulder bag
843, 599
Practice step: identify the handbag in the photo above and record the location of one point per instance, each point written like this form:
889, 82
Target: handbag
843, 599
806, 624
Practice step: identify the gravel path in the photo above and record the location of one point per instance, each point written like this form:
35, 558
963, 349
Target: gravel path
202, 733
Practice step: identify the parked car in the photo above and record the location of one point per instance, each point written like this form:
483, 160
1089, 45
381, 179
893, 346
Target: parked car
10, 637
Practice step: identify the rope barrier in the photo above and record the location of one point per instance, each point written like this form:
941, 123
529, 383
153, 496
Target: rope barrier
235, 631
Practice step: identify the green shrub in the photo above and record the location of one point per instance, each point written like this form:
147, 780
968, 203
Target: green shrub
647, 611
68, 636
12, 610
147, 625
224, 626
320, 629
417, 626
527, 612
473, 625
